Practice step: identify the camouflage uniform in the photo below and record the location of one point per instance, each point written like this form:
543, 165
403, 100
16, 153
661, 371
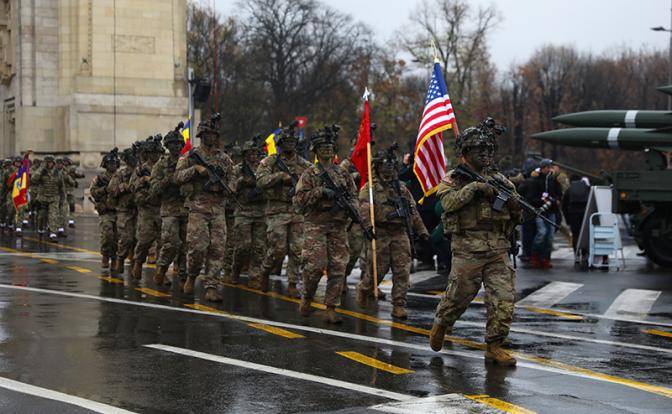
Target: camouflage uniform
71, 170
480, 244
249, 222
107, 216
355, 236
33, 195
173, 212
69, 184
326, 237
206, 201
13, 217
148, 228
52, 192
127, 213
284, 225
393, 246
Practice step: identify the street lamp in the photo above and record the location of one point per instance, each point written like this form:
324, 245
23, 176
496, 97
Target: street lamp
669, 63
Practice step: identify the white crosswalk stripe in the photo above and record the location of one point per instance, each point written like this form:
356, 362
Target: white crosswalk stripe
633, 303
550, 294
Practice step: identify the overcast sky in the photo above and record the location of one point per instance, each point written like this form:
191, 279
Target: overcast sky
590, 25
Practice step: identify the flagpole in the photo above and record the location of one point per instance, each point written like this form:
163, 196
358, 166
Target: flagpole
372, 216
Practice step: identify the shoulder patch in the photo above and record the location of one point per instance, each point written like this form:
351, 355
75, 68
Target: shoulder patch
448, 179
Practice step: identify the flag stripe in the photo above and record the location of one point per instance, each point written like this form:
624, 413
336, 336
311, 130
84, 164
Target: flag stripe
437, 116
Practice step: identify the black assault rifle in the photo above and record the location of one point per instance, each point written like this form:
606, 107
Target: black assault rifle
401, 207
342, 201
283, 167
215, 174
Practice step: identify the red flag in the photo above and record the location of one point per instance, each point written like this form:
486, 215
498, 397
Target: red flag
358, 156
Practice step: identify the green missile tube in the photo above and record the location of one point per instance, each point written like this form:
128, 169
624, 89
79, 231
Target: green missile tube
666, 89
617, 119
614, 138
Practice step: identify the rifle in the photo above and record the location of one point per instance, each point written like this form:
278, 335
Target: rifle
401, 207
254, 192
342, 201
283, 167
215, 176
503, 193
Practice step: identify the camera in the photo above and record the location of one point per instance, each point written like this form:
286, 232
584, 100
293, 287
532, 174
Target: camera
548, 202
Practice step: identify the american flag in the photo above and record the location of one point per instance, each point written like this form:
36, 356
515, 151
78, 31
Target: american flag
429, 161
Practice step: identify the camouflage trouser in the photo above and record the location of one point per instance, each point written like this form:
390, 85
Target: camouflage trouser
147, 232
12, 217
50, 212
284, 236
108, 234
356, 243
71, 204
206, 238
468, 271
229, 247
174, 242
325, 247
393, 252
250, 245
63, 214
126, 223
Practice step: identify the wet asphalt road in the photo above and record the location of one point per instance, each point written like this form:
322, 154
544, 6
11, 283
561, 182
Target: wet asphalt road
86, 337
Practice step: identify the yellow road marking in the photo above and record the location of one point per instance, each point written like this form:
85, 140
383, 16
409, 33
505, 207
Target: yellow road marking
499, 404
111, 279
276, 331
435, 292
666, 392
372, 362
565, 315
204, 308
65, 246
153, 292
658, 332
79, 269
49, 261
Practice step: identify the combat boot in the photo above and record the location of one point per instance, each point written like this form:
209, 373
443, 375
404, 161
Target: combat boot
254, 284
381, 294
264, 283
160, 275
534, 261
399, 312
211, 295
332, 316
105, 262
361, 297
496, 354
292, 291
437, 335
305, 308
136, 272
118, 265
71, 223
188, 288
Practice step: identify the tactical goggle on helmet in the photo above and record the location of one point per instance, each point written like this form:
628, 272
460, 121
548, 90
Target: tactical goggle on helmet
111, 157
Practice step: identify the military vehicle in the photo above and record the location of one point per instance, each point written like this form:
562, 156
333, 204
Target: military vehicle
645, 195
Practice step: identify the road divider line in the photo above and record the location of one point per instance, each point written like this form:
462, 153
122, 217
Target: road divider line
276, 331
59, 396
152, 292
658, 332
63, 245
49, 261
549, 295
284, 372
537, 363
111, 279
564, 315
375, 363
499, 404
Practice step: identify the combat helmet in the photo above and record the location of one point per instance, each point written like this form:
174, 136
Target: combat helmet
484, 133
326, 136
387, 157
211, 125
111, 157
174, 135
48, 158
152, 145
249, 146
128, 156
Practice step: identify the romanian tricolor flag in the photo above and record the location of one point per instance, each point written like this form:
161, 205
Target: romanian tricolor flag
20, 186
270, 142
185, 135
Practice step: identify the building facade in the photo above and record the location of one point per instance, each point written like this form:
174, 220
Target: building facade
84, 76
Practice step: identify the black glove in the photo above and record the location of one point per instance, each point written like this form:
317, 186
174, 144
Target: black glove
328, 193
368, 233
424, 237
